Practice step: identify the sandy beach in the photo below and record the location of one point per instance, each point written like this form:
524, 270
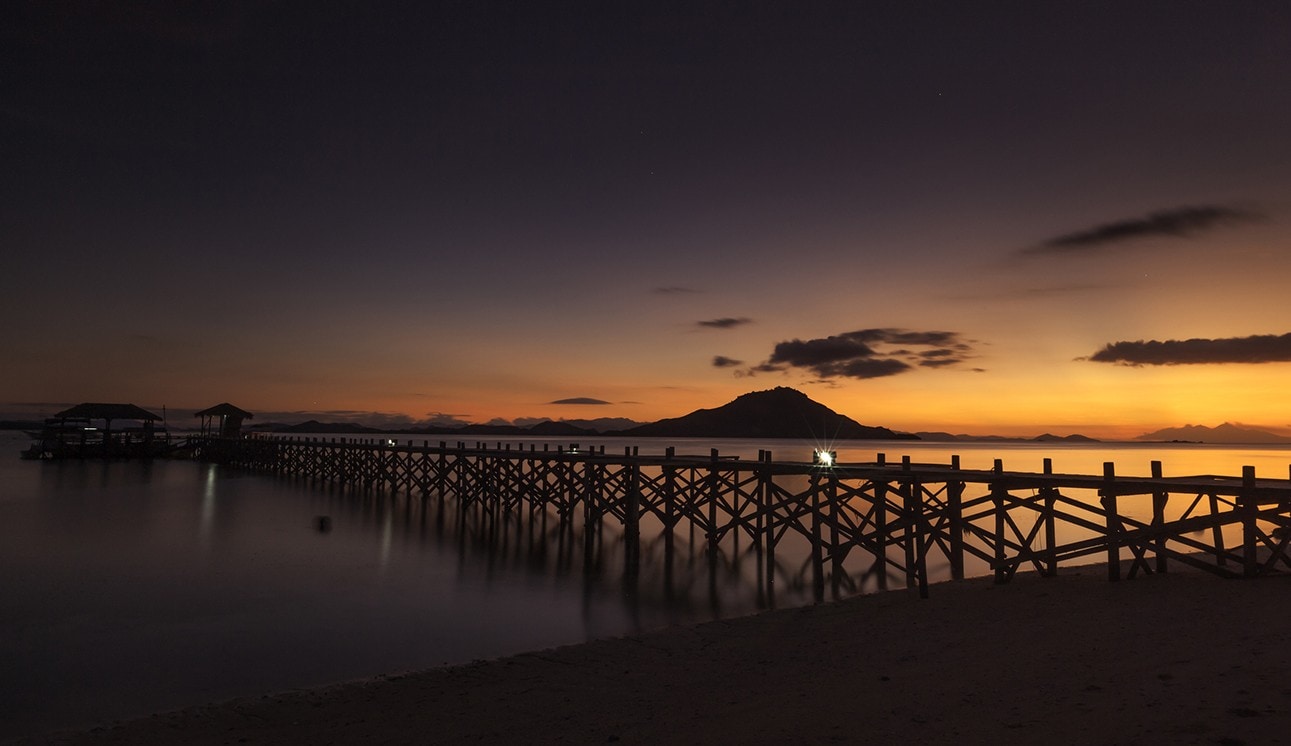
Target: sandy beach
1174, 658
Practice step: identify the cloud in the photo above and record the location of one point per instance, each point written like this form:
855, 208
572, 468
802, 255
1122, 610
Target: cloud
721, 361
579, 400
761, 368
1260, 348
724, 323
866, 353
444, 419
1180, 222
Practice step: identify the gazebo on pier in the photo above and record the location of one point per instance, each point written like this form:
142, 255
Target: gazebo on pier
222, 421
74, 433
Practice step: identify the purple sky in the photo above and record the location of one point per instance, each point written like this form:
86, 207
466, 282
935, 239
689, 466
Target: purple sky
489, 209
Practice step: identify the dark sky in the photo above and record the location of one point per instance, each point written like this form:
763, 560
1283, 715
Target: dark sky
480, 208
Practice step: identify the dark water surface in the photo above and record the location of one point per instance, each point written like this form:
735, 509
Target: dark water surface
132, 587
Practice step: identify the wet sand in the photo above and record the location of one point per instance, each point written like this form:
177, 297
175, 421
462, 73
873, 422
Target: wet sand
1177, 658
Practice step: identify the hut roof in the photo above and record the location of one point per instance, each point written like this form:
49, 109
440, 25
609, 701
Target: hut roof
224, 410
96, 411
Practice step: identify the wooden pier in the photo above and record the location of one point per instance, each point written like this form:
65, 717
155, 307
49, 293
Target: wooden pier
845, 526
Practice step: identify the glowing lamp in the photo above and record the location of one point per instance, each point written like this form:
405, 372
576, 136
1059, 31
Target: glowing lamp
821, 457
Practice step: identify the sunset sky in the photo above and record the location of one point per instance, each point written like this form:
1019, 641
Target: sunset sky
986, 217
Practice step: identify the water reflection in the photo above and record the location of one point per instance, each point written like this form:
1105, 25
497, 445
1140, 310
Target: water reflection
207, 524
132, 587
129, 590
677, 577
741, 574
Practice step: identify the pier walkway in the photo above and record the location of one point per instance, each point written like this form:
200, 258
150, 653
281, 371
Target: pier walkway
844, 525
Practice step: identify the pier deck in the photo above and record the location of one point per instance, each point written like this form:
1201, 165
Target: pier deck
849, 524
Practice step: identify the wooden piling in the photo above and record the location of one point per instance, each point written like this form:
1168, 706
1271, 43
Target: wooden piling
1107, 496
1050, 498
1247, 503
955, 522
998, 494
632, 522
1159, 500
845, 506
817, 546
879, 539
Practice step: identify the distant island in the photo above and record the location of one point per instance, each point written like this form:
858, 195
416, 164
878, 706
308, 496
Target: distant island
778, 413
1227, 433
1045, 438
782, 412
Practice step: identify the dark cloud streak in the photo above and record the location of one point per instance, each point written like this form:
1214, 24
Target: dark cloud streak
1260, 348
724, 323
866, 353
580, 400
1180, 222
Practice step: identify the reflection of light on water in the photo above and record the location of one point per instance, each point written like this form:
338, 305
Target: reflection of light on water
387, 539
207, 524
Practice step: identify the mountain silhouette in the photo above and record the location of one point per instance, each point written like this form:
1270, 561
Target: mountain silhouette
562, 429
1073, 438
314, 426
945, 437
779, 413
1225, 433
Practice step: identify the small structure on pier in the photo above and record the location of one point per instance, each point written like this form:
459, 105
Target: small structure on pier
75, 433
222, 421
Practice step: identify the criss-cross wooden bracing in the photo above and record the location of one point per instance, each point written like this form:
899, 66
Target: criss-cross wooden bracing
845, 527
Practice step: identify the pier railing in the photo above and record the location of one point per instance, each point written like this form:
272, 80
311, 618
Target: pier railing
846, 526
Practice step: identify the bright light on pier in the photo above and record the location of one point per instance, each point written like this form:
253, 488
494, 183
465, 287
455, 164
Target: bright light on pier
821, 457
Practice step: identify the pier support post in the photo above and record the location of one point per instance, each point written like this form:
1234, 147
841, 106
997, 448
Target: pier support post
591, 516
835, 552
759, 526
915, 553
1249, 505
955, 522
1159, 499
998, 494
817, 545
669, 518
712, 534
879, 538
1050, 525
1107, 497
769, 526
1217, 531
632, 522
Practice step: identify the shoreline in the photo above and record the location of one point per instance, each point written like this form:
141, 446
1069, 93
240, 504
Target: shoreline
1182, 657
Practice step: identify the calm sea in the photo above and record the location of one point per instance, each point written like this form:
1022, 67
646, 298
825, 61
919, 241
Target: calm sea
133, 587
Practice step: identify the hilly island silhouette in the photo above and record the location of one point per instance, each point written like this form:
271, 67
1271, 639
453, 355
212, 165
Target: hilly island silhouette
781, 412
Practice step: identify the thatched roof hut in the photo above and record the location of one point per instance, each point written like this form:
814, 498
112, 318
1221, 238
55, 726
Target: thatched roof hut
230, 420
109, 412
70, 434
